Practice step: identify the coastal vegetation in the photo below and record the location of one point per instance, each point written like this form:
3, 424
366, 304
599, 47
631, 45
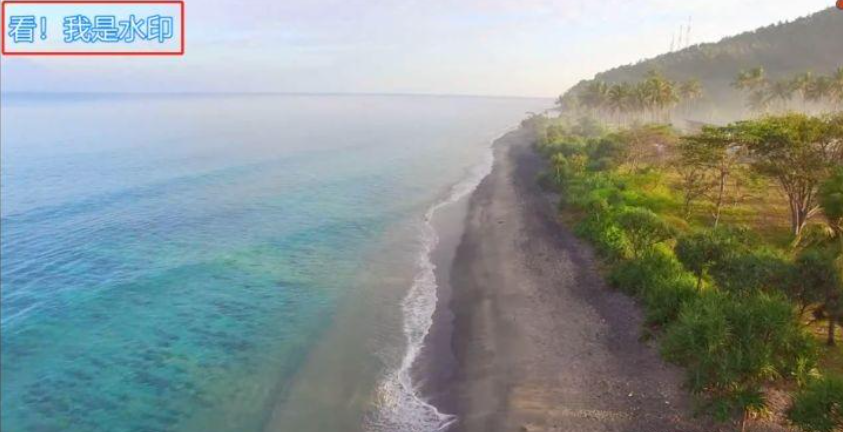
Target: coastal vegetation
782, 51
656, 98
730, 237
812, 93
652, 99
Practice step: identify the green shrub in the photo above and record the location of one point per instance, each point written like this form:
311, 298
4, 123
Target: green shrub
572, 147
819, 406
568, 147
602, 164
607, 152
819, 281
724, 255
818, 274
556, 133
745, 271
559, 171
582, 191
589, 127
700, 250
536, 123
659, 280
636, 275
830, 197
732, 345
643, 228
664, 301
601, 230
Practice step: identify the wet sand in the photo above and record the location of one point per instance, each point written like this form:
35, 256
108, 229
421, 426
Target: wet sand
527, 336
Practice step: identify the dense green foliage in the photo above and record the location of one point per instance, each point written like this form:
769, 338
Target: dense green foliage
728, 303
819, 406
643, 228
701, 250
684, 221
731, 345
799, 152
831, 199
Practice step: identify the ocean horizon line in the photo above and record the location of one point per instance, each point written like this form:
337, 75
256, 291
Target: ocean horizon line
17, 93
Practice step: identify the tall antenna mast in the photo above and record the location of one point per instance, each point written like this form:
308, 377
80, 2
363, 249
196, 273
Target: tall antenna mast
688, 33
672, 41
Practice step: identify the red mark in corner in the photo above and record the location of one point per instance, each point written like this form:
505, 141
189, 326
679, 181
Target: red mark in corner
840, 4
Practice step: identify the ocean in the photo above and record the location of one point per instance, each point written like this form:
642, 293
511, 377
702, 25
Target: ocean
227, 262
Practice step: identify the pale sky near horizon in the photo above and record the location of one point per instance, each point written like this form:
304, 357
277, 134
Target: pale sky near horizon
474, 47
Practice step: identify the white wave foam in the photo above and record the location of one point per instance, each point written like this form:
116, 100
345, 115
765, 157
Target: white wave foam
401, 406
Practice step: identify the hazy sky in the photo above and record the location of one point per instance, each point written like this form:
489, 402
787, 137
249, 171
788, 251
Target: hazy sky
482, 47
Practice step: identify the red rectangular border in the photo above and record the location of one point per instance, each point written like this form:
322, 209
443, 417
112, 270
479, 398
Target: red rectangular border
180, 52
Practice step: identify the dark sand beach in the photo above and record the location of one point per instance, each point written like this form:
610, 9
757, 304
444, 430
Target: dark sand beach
537, 341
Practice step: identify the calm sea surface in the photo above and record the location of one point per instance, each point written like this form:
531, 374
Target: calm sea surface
225, 263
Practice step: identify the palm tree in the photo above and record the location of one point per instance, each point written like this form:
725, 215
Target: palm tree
567, 102
668, 97
782, 92
639, 99
619, 99
661, 94
754, 82
653, 88
751, 80
801, 84
595, 95
690, 91
819, 90
758, 101
836, 89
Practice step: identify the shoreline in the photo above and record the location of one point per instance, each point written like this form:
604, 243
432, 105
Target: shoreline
404, 402
436, 363
526, 336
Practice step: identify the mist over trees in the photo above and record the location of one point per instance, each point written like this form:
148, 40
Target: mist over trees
729, 236
656, 98
710, 181
798, 61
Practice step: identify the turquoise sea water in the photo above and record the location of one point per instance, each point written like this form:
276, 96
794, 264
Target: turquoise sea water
219, 263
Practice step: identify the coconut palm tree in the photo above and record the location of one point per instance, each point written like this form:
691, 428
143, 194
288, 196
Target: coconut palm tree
836, 89
639, 99
758, 101
690, 91
819, 90
661, 95
619, 99
754, 83
801, 84
668, 98
595, 96
781, 92
648, 92
751, 80
568, 102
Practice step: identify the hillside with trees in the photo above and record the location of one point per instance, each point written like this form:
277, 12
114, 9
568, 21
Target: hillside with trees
710, 182
808, 46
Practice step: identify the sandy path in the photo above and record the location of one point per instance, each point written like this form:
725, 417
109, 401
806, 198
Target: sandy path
540, 342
